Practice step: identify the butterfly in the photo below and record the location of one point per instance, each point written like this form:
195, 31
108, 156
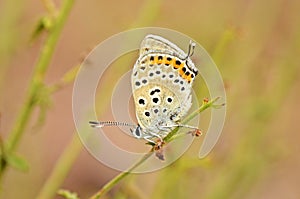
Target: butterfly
161, 80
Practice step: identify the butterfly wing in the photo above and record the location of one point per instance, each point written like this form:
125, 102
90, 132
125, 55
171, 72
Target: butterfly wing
154, 43
161, 82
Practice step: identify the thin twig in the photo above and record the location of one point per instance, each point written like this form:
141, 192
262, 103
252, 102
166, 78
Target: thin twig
204, 106
67, 78
122, 175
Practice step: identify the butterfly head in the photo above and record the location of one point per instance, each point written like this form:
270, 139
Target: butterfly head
137, 132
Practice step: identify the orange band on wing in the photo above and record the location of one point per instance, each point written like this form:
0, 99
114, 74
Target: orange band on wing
173, 62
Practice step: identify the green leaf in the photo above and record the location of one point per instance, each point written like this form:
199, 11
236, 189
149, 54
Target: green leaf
67, 194
17, 162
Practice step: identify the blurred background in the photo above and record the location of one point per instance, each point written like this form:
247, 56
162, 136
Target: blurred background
255, 44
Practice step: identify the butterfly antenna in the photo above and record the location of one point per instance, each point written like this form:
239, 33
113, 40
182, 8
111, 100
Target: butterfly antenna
191, 49
96, 124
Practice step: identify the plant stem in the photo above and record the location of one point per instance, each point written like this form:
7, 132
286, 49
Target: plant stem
108, 186
37, 79
204, 106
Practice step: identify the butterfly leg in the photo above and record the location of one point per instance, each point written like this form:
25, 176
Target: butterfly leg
148, 138
181, 125
195, 131
158, 143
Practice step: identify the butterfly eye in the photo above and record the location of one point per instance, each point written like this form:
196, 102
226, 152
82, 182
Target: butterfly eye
137, 133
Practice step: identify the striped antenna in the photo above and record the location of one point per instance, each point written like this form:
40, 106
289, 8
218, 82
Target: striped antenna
109, 123
191, 49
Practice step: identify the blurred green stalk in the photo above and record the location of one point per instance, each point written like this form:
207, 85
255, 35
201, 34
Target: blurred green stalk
36, 83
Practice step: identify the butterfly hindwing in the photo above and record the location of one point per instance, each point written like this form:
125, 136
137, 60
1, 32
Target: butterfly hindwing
162, 80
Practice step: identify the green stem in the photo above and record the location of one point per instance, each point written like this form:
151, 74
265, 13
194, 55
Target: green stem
37, 78
108, 186
204, 106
